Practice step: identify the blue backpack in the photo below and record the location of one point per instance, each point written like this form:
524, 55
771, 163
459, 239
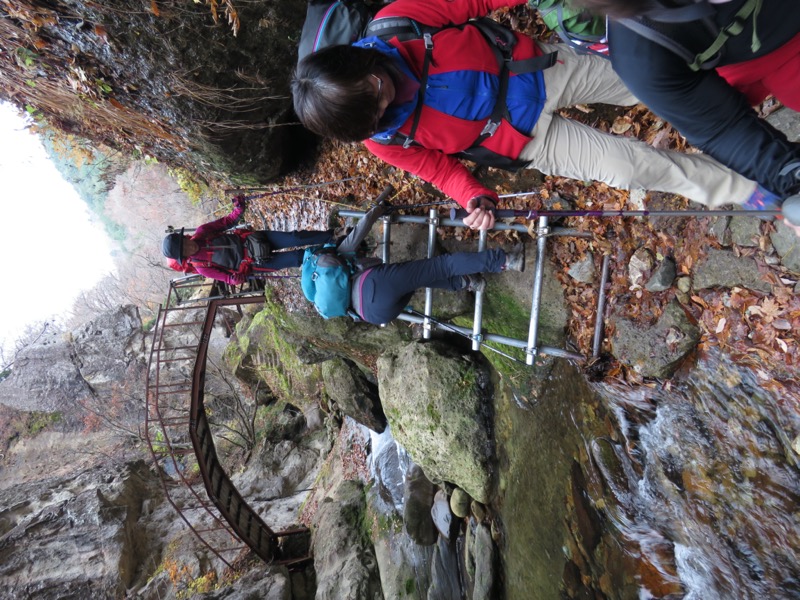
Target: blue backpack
325, 279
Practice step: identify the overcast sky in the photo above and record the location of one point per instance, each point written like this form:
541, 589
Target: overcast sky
50, 249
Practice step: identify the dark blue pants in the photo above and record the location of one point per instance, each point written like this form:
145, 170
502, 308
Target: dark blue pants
387, 289
289, 239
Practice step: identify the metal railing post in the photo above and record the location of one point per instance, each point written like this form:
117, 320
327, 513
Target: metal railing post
433, 223
601, 308
477, 320
387, 237
536, 301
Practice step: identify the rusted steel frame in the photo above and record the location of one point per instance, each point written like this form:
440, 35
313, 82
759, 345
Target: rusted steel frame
170, 384
163, 392
155, 351
180, 510
222, 492
187, 323
167, 444
180, 348
178, 307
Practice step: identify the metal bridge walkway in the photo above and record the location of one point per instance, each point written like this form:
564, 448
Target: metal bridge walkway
177, 428
178, 431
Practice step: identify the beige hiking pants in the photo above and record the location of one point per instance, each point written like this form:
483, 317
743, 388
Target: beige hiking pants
567, 148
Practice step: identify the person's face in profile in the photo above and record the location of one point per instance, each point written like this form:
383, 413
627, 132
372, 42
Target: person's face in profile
190, 247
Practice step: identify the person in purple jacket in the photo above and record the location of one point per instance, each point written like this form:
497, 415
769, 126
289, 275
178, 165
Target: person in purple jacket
233, 255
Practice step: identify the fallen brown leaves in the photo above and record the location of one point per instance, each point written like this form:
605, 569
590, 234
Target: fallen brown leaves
758, 330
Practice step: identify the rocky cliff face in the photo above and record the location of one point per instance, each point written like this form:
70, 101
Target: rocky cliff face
203, 85
61, 369
79, 534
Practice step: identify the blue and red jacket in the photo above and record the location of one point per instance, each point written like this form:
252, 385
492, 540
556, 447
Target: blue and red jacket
463, 78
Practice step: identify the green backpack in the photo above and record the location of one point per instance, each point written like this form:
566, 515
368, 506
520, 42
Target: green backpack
575, 26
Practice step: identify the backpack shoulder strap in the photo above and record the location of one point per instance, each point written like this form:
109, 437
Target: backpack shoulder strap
638, 26
699, 11
693, 11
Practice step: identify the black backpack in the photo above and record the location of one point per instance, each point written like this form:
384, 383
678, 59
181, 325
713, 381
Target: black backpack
659, 23
230, 249
333, 23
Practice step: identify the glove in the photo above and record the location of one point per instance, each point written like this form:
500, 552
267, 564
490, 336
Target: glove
487, 203
791, 210
237, 278
240, 202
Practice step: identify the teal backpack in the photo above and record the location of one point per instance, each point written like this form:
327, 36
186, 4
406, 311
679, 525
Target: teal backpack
325, 279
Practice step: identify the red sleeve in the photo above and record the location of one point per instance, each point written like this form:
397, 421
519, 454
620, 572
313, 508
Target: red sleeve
444, 171
231, 278
220, 225
444, 12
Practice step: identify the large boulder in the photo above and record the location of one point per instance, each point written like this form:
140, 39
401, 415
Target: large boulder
722, 268
787, 245
417, 503
343, 555
439, 405
356, 396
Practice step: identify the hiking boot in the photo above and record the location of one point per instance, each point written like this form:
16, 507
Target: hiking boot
475, 283
515, 258
386, 207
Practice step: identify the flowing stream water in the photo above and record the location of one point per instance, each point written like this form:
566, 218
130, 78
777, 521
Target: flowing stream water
684, 491
687, 490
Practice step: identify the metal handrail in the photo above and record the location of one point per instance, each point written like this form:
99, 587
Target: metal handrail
233, 523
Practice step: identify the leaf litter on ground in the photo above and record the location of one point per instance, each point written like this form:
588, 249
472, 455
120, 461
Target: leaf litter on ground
760, 331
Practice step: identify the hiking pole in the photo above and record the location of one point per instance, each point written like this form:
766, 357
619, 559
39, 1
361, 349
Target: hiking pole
790, 210
535, 213
462, 331
272, 192
423, 205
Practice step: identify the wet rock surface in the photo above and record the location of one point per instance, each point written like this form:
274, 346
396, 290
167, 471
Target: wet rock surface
166, 80
344, 561
440, 412
656, 351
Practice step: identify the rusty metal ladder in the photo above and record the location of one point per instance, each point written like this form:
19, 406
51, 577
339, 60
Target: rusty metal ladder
531, 345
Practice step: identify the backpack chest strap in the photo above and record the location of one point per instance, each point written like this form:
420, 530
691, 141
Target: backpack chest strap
502, 47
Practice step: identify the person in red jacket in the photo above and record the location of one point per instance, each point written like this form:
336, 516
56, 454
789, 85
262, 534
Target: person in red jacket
216, 253
371, 91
